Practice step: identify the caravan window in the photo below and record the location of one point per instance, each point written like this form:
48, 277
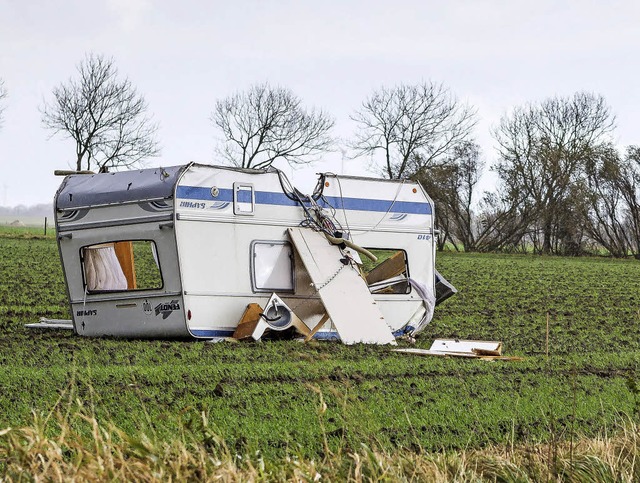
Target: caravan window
272, 266
121, 266
390, 274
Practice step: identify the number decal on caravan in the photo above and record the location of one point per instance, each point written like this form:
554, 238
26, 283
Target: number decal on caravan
424, 237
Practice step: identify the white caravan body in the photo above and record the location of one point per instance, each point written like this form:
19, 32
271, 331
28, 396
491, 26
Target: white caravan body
216, 240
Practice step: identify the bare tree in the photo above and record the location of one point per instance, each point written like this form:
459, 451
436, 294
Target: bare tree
613, 211
498, 221
3, 95
440, 181
266, 123
605, 218
630, 189
503, 221
452, 185
413, 126
104, 115
466, 159
543, 150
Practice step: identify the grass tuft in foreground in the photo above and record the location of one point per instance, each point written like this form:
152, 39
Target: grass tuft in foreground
51, 448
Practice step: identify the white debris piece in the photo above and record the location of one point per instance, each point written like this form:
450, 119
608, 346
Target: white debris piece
344, 293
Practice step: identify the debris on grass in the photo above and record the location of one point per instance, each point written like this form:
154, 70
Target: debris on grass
472, 349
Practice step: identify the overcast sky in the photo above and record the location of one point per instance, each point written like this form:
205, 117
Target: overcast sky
182, 56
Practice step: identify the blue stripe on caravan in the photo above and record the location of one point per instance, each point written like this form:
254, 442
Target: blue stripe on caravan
244, 196
323, 335
211, 333
280, 199
271, 198
199, 193
262, 197
326, 335
386, 206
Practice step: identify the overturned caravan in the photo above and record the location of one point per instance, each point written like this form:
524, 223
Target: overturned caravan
182, 251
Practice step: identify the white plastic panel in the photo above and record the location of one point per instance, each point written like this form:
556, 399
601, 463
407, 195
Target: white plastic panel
272, 264
344, 293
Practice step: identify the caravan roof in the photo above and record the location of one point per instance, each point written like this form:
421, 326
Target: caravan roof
84, 190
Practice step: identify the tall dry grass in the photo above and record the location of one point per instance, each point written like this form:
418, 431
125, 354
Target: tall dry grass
82, 448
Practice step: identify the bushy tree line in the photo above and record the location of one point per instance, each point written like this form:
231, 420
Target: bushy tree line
563, 187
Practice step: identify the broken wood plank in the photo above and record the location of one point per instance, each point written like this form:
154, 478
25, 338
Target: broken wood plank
466, 355
323, 321
486, 352
429, 352
391, 267
344, 293
124, 254
248, 322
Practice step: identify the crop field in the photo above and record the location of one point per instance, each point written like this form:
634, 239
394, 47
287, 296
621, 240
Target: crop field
282, 398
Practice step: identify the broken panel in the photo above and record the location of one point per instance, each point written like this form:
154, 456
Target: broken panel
348, 303
390, 274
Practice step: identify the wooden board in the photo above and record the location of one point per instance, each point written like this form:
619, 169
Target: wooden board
248, 322
344, 293
124, 253
429, 352
468, 355
391, 267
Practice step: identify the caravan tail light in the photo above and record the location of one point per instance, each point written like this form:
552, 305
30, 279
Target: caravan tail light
189, 314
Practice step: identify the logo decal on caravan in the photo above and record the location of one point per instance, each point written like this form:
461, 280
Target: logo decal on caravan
166, 308
146, 306
86, 313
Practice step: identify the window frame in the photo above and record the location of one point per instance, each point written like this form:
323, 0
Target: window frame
406, 264
156, 260
252, 266
237, 204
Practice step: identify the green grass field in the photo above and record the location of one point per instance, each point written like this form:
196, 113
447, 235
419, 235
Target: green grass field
282, 397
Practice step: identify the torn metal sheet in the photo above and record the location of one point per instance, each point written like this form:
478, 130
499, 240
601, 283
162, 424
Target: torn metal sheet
344, 293
444, 289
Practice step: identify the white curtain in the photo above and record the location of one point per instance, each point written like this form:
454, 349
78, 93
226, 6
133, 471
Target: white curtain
102, 269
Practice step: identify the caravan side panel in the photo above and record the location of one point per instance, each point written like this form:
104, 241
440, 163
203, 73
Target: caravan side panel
118, 251
153, 312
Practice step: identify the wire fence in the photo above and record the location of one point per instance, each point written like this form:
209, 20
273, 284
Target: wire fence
41, 224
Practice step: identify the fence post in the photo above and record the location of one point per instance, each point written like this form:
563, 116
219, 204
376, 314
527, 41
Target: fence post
45, 226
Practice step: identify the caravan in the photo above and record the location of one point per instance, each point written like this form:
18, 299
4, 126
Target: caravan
182, 251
